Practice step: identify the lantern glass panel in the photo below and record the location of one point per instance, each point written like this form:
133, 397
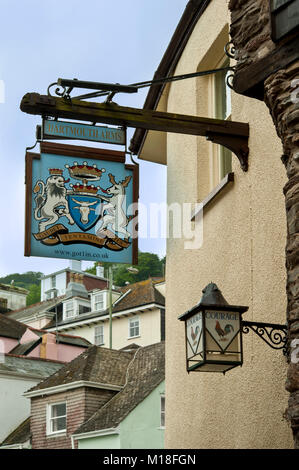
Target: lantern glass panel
194, 337
222, 330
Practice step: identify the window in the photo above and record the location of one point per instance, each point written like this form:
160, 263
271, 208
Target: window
99, 302
69, 309
83, 309
133, 327
53, 281
162, 411
3, 303
222, 110
56, 418
99, 335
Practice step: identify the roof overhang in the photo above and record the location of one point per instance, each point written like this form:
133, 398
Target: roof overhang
71, 386
105, 317
98, 433
151, 145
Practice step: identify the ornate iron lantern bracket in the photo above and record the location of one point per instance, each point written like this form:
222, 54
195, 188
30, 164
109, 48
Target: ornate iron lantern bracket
275, 335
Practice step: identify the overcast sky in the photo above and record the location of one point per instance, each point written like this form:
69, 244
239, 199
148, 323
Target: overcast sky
115, 42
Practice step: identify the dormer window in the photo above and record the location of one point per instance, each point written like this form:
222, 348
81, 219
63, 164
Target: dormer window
75, 307
69, 310
99, 302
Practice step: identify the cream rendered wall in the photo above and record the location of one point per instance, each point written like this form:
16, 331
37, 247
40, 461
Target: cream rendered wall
243, 252
15, 300
14, 408
149, 327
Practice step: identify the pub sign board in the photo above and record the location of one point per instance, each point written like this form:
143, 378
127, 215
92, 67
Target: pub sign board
53, 129
81, 204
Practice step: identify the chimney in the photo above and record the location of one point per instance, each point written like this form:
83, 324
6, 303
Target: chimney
75, 265
100, 270
48, 347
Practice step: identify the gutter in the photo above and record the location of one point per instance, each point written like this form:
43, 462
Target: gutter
91, 434
79, 321
70, 386
24, 445
184, 29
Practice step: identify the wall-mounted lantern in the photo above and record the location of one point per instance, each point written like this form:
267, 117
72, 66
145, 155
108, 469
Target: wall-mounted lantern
213, 332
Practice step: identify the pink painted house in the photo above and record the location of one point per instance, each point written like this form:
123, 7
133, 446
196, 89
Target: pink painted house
19, 339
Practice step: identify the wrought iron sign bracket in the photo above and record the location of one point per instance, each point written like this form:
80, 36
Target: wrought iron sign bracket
275, 335
238, 144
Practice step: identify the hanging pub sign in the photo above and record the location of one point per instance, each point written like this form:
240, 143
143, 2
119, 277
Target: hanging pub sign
81, 204
53, 129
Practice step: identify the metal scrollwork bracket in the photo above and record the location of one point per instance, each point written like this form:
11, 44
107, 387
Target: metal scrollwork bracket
60, 91
230, 51
275, 335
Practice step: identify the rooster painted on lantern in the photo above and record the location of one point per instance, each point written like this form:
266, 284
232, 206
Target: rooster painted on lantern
223, 332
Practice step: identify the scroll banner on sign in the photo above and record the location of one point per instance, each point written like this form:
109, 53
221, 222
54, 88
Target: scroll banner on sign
81, 203
52, 129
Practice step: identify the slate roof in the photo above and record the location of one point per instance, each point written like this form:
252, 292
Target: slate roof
25, 348
138, 294
10, 328
29, 366
20, 435
13, 288
65, 338
96, 364
141, 293
145, 373
44, 306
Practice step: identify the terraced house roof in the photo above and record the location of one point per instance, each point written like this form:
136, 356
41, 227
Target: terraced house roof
96, 364
144, 374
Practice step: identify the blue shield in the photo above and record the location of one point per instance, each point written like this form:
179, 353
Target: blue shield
85, 210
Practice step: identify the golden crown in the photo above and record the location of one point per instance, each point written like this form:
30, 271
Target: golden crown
84, 189
55, 171
85, 171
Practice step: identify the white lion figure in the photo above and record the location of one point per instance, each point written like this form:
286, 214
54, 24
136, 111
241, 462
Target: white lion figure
51, 203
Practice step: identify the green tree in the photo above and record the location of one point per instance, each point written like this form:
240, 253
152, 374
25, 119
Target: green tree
24, 280
34, 294
149, 265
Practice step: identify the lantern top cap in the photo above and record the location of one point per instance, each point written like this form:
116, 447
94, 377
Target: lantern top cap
212, 295
212, 298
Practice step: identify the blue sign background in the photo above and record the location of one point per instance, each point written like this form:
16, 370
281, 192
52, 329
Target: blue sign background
77, 250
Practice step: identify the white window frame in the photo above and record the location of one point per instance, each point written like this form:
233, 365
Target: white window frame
65, 305
220, 149
50, 419
131, 320
162, 410
99, 335
96, 302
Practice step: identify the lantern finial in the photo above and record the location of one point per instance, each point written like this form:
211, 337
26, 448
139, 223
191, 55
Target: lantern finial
212, 295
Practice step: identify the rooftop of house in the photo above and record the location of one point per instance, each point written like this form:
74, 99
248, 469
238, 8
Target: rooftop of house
139, 294
13, 288
29, 367
96, 364
10, 328
43, 306
20, 435
144, 373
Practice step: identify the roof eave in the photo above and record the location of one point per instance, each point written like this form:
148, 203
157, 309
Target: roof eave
190, 17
